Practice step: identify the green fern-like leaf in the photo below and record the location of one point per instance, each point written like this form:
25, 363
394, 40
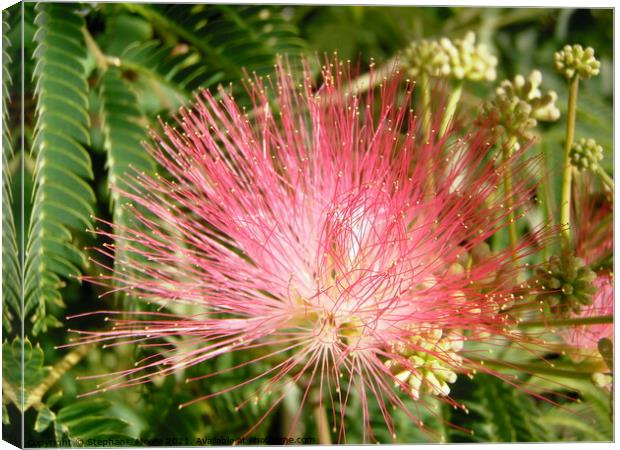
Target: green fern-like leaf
587, 419
45, 415
62, 198
32, 368
11, 278
90, 419
181, 73
226, 38
124, 129
498, 412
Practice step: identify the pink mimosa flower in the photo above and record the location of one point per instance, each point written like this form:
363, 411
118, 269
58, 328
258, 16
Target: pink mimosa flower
594, 244
593, 219
586, 337
321, 234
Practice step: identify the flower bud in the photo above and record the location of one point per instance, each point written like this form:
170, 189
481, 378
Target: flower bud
459, 59
567, 283
427, 56
586, 154
574, 60
432, 357
519, 104
470, 61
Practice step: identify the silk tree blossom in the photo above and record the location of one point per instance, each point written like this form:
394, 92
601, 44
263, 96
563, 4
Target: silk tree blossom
308, 235
593, 221
585, 338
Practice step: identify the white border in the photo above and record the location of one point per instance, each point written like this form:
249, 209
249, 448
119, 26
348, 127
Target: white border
480, 3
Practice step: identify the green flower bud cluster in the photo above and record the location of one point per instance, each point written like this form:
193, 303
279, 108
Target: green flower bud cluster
433, 357
585, 154
427, 56
468, 60
566, 282
519, 104
574, 60
460, 59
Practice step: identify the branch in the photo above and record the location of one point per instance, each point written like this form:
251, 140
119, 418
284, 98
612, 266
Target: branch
592, 320
62, 367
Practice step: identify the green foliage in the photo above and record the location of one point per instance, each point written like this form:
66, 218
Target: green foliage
84, 423
498, 412
91, 419
124, 130
45, 416
588, 418
182, 73
62, 198
428, 410
161, 412
81, 421
11, 275
33, 369
228, 38
190, 55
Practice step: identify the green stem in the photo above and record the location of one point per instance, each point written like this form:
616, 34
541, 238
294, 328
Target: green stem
568, 170
592, 320
425, 88
512, 225
426, 106
453, 100
91, 45
63, 366
605, 178
546, 198
322, 424
364, 82
443, 432
290, 405
9, 395
536, 369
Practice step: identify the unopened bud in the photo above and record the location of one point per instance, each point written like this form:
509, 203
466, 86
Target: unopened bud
574, 60
586, 154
